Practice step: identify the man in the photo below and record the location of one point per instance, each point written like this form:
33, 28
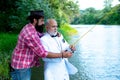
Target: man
56, 68
29, 48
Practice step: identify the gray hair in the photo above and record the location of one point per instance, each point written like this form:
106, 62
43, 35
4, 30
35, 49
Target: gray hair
48, 22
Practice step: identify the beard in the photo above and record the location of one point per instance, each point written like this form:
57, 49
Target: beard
52, 33
40, 28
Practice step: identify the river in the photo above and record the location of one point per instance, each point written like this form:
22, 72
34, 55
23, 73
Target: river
97, 54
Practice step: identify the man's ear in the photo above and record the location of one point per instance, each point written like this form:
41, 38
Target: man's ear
34, 20
46, 27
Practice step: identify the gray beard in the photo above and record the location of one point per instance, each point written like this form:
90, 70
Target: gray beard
52, 33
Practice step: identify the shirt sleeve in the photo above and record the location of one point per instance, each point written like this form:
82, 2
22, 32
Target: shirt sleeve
33, 41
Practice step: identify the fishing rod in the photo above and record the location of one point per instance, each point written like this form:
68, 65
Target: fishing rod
91, 28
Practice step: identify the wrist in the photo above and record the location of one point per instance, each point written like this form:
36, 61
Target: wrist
62, 54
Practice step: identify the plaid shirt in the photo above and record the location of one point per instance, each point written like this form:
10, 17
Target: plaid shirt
28, 49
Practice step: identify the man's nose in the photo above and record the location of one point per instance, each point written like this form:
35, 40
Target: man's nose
55, 28
43, 22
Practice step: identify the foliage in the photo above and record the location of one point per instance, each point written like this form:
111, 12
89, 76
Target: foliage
67, 31
7, 8
109, 15
87, 16
7, 43
4, 67
107, 4
13, 13
92, 16
112, 17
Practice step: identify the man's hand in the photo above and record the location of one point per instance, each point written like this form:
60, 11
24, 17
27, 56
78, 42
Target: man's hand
72, 47
66, 54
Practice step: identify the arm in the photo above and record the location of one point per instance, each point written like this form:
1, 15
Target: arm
33, 42
46, 44
64, 54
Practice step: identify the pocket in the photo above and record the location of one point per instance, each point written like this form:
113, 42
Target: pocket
12, 72
13, 75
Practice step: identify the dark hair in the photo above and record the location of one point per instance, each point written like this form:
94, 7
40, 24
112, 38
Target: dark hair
35, 15
30, 18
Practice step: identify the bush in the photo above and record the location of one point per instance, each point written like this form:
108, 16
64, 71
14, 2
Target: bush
67, 31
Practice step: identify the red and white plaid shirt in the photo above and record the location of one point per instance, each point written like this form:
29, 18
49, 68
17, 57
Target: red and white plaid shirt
28, 49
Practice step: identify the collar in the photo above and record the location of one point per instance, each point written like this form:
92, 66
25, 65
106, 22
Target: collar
54, 35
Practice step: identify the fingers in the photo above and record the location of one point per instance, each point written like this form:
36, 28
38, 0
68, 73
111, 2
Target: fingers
72, 47
67, 54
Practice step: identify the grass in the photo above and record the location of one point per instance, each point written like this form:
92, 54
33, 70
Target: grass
38, 72
7, 43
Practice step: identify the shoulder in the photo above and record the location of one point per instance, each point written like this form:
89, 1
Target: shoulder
28, 29
28, 32
45, 37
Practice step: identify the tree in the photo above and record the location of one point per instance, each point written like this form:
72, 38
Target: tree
14, 12
87, 16
107, 4
112, 17
63, 10
7, 10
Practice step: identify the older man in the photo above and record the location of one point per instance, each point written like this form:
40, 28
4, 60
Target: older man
56, 68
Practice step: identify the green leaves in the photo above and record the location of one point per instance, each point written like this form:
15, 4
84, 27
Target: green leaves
92, 16
16, 11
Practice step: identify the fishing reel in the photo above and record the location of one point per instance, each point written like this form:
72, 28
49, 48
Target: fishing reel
69, 49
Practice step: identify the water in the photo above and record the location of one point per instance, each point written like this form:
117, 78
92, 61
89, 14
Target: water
97, 55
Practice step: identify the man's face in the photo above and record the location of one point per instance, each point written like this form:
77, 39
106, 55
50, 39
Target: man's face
52, 28
40, 25
40, 21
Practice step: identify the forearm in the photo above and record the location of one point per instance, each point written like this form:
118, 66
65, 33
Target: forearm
65, 54
54, 55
